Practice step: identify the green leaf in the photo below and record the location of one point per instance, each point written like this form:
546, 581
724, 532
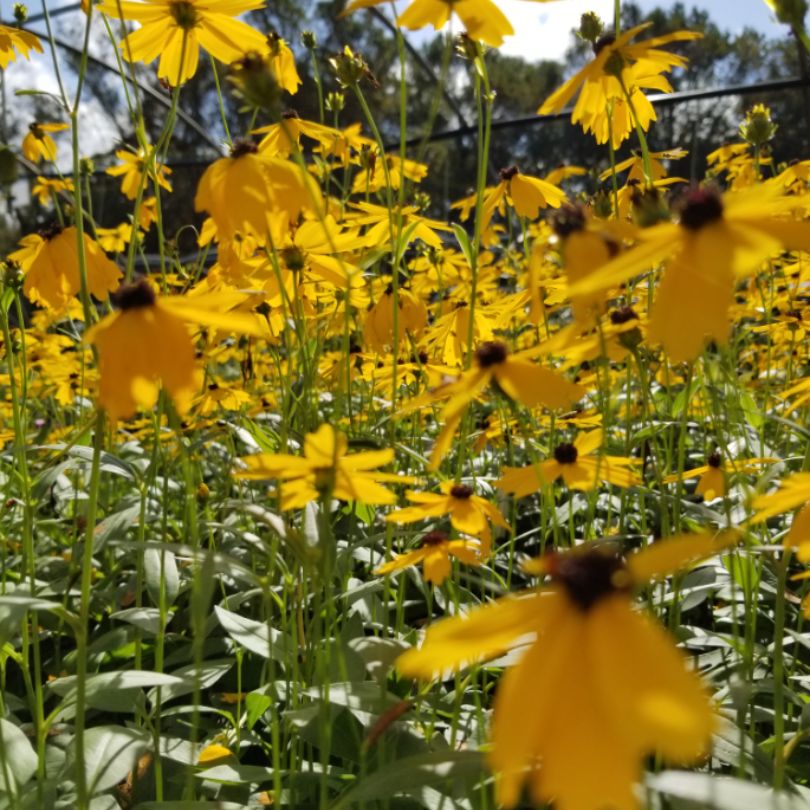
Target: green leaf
405, 775
702, 790
111, 752
208, 674
19, 760
236, 773
153, 561
252, 635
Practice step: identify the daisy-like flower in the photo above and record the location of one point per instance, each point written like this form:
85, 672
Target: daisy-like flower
115, 240
325, 469
469, 513
146, 343
378, 328
133, 167
241, 190
13, 40
48, 187
717, 240
616, 76
50, 261
600, 687
38, 144
577, 464
175, 30
518, 377
793, 492
434, 554
483, 20
712, 475
526, 194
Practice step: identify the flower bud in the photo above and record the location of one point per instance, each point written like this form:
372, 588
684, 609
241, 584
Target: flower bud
758, 127
590, 26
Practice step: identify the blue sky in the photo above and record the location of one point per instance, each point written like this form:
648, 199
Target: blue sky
542, 29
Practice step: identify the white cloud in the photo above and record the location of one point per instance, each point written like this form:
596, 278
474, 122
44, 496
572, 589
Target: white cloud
543, 30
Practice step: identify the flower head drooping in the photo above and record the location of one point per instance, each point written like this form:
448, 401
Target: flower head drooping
717, 239
600, 688
616, 78
50, 261
434, 554
515, 375
38, 144
13, 40
146, 344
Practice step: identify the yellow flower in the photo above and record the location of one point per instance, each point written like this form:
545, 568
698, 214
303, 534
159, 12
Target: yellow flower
115, 240
619, 69
14, 38
373, 178
576, 464
717, 240
600, 688
50, 261
147, 343
519, 378
434, 554
378, 328
326, 469
469, 513
175, 30
712, 475
240, 191
133, 167
38, 144
793, 492
47, 187
483, 20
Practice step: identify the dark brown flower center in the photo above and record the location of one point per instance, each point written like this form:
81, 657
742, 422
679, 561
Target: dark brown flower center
602, 43
565, 453
243, 146
714, 460
509, 173
462, 492
293, 258
623, 315
568, 219
589, 576
184, 14
434, 538
491, 353
133, 296
50, 231
701, 207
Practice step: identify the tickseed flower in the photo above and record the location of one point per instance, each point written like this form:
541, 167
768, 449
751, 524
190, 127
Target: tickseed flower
613, 79
115, 240
577, 464
325, 469
175, 30
469, 513
518, 378
38, 144
48, 187
240, 191
717, 239
793, 492
434, 554
50, 261
601, 686
712, 475
146, 343
13, 40
133, 167
483, 20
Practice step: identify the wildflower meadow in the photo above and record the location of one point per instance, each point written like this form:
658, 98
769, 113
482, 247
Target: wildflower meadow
391, 422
